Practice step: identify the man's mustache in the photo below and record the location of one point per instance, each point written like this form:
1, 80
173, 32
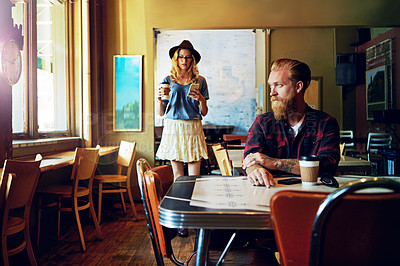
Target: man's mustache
276, 98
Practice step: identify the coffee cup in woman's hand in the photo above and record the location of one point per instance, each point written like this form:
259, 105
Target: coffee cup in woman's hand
164, 91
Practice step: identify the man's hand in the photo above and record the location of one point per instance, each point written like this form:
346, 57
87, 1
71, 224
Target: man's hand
261, 159
269, 163
260, 176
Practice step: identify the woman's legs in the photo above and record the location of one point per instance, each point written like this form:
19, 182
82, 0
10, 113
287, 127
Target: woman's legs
178, 169
194, 168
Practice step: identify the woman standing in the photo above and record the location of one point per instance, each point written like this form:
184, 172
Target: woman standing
183, 137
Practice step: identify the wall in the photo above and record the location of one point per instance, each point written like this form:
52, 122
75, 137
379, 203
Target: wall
316, 48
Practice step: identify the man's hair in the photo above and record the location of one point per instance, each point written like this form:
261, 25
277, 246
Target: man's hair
298, 71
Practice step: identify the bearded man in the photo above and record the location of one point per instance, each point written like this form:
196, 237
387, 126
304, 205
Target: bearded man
277, 139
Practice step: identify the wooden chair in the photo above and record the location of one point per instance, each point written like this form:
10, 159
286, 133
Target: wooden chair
293, 213
119, 182
358, 229
75, 197
160, 236
18, 184
224, 163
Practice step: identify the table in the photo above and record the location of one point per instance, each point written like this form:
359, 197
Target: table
176, 210
61, 159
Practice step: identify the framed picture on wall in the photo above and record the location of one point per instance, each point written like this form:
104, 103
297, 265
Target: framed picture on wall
376, 90
313, 95
127, 93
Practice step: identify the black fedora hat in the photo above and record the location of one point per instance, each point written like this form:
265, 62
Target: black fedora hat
185, 45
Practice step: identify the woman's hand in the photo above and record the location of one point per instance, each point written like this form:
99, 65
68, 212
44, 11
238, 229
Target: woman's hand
162, 92
196, 95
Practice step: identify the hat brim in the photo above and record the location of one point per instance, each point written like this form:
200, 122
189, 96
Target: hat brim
196, 54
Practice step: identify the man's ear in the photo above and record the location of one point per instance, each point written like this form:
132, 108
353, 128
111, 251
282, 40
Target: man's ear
299, 86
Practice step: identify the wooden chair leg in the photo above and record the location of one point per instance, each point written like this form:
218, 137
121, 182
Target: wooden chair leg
79, 225
95, 221
122, 198
58, 218
100, 201
4, 249
128, 189
38, 221
29, 249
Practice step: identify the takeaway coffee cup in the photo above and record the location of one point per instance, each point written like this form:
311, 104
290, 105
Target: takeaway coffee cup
165, 85
309, 166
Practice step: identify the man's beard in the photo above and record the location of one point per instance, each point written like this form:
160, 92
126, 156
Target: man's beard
284, 108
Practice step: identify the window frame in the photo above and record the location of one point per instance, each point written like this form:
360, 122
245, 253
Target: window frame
29, 29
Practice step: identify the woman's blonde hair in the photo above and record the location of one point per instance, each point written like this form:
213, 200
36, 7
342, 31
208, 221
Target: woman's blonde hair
193, 72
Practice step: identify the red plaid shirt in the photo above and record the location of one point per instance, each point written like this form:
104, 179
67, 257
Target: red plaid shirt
318, 135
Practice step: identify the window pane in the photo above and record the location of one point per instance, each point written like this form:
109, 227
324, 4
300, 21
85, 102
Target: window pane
18, 90
51, 85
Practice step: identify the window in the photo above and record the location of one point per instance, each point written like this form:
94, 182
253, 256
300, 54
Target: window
40, 98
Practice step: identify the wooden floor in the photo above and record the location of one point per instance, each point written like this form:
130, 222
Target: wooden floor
125, 242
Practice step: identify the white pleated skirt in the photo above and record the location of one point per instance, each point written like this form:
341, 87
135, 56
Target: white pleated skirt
182, 140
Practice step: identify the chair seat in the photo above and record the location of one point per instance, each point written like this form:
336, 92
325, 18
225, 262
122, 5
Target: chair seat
110, 178
15, 225
64, 191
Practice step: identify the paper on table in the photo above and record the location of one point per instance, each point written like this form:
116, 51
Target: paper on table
238, 193
227, 193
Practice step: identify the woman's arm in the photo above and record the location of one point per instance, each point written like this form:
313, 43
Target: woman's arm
161, 105
195, 94
203, 106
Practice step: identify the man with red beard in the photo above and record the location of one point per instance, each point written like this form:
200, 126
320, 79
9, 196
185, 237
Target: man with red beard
277, 139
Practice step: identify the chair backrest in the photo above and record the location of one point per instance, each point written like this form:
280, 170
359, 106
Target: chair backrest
85, 163
293, 213
126, 156
232, 137
164, 177
378, 140
347, 136
151, 201
358, 228
224, 163
22, 185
